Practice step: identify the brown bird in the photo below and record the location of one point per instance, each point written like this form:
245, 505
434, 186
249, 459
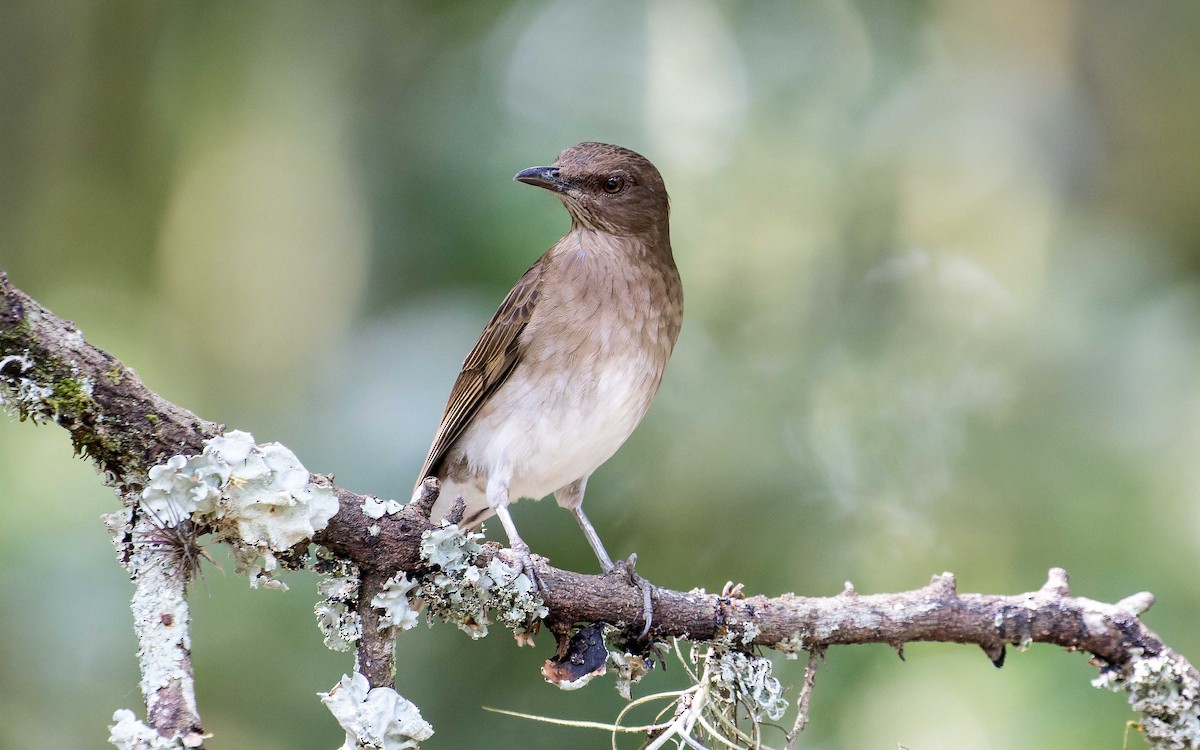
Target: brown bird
568, 365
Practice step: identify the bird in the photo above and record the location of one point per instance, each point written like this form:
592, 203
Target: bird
568, 365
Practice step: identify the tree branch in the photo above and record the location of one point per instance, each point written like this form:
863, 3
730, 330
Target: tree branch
48, 372
160, 620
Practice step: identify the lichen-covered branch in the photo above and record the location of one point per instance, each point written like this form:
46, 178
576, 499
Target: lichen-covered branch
376, 653
49, 373
113, 418
161, 621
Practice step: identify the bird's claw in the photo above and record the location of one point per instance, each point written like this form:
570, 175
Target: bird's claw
524, 557
626, 568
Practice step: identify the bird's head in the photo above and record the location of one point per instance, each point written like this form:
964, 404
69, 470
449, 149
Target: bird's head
606, 187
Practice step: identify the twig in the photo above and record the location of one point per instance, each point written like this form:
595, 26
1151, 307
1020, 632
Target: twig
810, 681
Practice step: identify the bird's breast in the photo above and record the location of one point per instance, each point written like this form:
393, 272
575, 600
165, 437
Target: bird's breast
592, 358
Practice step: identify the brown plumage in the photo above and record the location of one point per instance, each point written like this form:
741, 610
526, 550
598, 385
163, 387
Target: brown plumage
568, 365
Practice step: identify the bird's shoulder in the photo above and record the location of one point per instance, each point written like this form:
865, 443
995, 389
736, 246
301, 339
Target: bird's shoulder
503, 331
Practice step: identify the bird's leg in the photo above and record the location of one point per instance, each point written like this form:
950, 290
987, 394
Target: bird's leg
571, 498
497, 495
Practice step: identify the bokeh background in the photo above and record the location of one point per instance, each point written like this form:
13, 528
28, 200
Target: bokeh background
941, 262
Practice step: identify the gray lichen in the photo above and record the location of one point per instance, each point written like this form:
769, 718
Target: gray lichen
23, 397
127, 732
29, 392
375, 508
731, 698
742, 679
336, 616
257, 497
462, 592
376, 718
1167, 695
395, 601
791, 646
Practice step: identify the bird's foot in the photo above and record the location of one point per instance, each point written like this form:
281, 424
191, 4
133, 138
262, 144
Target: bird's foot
524, 558
626, 568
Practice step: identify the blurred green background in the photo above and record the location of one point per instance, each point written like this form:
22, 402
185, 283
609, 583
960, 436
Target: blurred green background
942, 263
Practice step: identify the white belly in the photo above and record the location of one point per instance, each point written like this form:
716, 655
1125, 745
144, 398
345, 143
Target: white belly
545, 437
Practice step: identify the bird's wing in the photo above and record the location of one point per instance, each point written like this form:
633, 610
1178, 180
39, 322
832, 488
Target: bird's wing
487, 366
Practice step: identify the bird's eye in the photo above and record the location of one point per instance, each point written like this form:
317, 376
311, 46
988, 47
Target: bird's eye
614, 184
